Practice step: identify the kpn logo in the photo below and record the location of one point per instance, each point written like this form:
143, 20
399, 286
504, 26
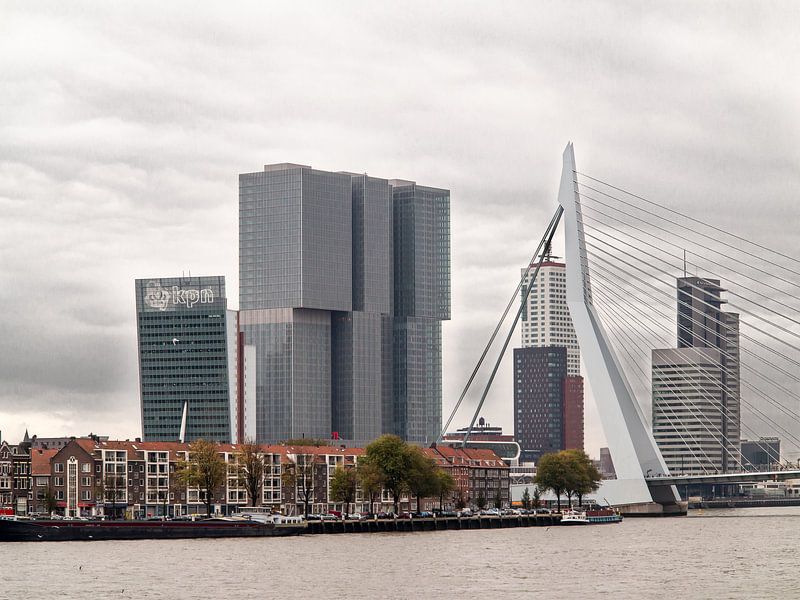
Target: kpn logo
161, 298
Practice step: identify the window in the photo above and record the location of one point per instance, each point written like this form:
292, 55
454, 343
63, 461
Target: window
86, 468
59, 481
58, 467
86, 495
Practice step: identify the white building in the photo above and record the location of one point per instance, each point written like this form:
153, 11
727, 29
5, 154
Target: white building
545, 318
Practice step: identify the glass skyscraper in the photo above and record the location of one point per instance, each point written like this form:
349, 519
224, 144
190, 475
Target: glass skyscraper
319, 300
191, 360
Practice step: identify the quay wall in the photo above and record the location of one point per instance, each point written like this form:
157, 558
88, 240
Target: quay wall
432, 524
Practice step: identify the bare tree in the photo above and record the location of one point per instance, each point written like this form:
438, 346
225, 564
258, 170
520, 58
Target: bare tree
251, 470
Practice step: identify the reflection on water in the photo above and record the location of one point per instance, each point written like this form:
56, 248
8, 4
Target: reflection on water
742, 553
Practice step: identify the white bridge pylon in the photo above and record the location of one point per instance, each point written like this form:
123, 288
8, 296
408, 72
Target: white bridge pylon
632, 447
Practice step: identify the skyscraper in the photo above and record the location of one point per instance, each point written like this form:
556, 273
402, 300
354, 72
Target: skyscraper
702, 375
545, 319
548, 400
548, 404
421, 303
194, 370
319, 297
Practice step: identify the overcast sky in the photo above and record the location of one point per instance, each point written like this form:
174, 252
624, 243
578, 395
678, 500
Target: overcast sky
123, 129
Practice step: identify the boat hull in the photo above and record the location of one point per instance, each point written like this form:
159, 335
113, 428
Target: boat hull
70, 531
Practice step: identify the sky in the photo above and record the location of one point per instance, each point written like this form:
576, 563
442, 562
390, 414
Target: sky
123, 128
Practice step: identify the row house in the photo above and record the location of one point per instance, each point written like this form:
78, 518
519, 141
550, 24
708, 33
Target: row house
94, 476
15, 477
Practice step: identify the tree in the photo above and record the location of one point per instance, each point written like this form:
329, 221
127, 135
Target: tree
251, 470
587, 477
204, 470
481, 501
551, 474
343, 486
50, 502
445, 485
498, 499
537, 498
421, 478
461, 503
299, 476
370, 478
390, 455
526, 499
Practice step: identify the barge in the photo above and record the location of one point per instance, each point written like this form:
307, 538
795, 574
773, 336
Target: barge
47, 530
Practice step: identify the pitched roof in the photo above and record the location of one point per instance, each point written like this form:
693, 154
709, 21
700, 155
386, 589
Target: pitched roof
40, 461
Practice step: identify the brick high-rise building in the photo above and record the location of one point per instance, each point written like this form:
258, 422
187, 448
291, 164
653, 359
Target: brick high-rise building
548, 404
547, 419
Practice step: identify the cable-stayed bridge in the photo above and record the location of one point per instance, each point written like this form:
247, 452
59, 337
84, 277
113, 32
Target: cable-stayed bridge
690, 337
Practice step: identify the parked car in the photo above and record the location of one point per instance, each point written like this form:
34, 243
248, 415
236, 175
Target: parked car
445, 513
404, 515
491, 512
329, 517
423, 515
466, 512
335, 513
313, 517
385, 515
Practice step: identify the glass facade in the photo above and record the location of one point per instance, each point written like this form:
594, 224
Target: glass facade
295, 239
183, 358
421, 302
367, 359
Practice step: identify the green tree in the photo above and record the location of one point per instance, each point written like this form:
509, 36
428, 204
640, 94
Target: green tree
370, 478
480, 502
526, 499
390, 455
445, 485
537, 498
421, 479
498, 499
552, 474
204, 470
343, 486
587, 477
251, 470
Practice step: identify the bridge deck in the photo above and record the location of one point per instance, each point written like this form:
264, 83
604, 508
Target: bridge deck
744, 477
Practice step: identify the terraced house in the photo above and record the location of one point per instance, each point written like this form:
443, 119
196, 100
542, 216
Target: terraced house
95, 476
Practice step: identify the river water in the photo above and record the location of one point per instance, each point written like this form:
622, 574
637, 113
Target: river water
742, 553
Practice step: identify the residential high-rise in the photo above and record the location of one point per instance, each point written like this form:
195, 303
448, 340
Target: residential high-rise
319, 257
548, 404
696, 387
541, 417
545, 319
194, 369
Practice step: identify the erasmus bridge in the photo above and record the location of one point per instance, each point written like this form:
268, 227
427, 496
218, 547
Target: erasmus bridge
623, 254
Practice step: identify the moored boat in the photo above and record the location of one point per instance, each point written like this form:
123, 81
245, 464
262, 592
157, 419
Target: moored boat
574, 517
47, 530
598, 515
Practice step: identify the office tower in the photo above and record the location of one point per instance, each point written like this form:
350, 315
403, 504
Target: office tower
421, 303
713, 400
295, 267
687, 422
318, 256
548, 403
361, 339
762, 454
194, 370
545, 319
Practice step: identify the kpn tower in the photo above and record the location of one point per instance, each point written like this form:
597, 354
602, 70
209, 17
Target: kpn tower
196, 376
344, 281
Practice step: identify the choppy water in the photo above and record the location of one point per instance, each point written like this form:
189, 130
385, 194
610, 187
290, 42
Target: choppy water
746, 553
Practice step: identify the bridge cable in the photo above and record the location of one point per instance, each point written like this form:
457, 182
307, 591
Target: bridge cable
497, 328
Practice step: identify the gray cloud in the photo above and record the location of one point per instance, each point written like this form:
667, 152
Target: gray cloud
123, 128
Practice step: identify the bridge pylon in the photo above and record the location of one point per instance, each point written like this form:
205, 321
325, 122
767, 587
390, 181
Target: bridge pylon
630, 442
